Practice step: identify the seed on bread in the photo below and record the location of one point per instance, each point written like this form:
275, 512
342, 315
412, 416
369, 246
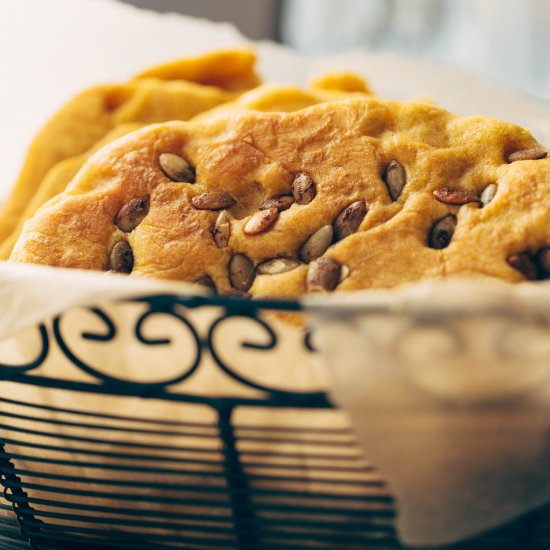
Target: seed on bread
213, 200
349, 220
454, 196
488, 194
221, 230
132, 214
276, 266
261, 221
241, 272
121, 258
281, 203
345, 272
395, 178
323, 275
442, 232
317, 244
176, 168
303, 188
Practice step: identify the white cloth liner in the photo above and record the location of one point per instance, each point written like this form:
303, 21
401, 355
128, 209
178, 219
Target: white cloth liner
448, 386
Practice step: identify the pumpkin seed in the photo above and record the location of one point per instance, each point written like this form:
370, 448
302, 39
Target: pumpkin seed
454, 196
121, 258
221, 230
395, 178
317, 244
241, 272
261, 221
282, 202
442, 232
277, 266
132, 214
213, 200
323, 275
349, 220
488, 194
303, 188
176, 168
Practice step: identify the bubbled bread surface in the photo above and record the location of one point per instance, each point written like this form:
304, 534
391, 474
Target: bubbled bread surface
345, 147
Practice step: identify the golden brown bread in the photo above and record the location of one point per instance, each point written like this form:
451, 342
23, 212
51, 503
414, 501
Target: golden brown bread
231, 70
55, 181
362, 173
175, 91
159, 101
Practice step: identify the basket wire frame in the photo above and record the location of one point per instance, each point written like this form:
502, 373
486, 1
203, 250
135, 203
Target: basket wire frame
83, 479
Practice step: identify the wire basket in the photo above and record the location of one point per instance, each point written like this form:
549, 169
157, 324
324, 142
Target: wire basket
80, 478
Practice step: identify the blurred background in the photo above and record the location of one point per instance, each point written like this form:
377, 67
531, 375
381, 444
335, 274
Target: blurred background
506, 41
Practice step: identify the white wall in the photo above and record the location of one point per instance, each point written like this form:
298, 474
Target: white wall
255, 18
507, 41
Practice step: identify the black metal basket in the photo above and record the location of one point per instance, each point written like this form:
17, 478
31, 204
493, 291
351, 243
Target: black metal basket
78, 478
